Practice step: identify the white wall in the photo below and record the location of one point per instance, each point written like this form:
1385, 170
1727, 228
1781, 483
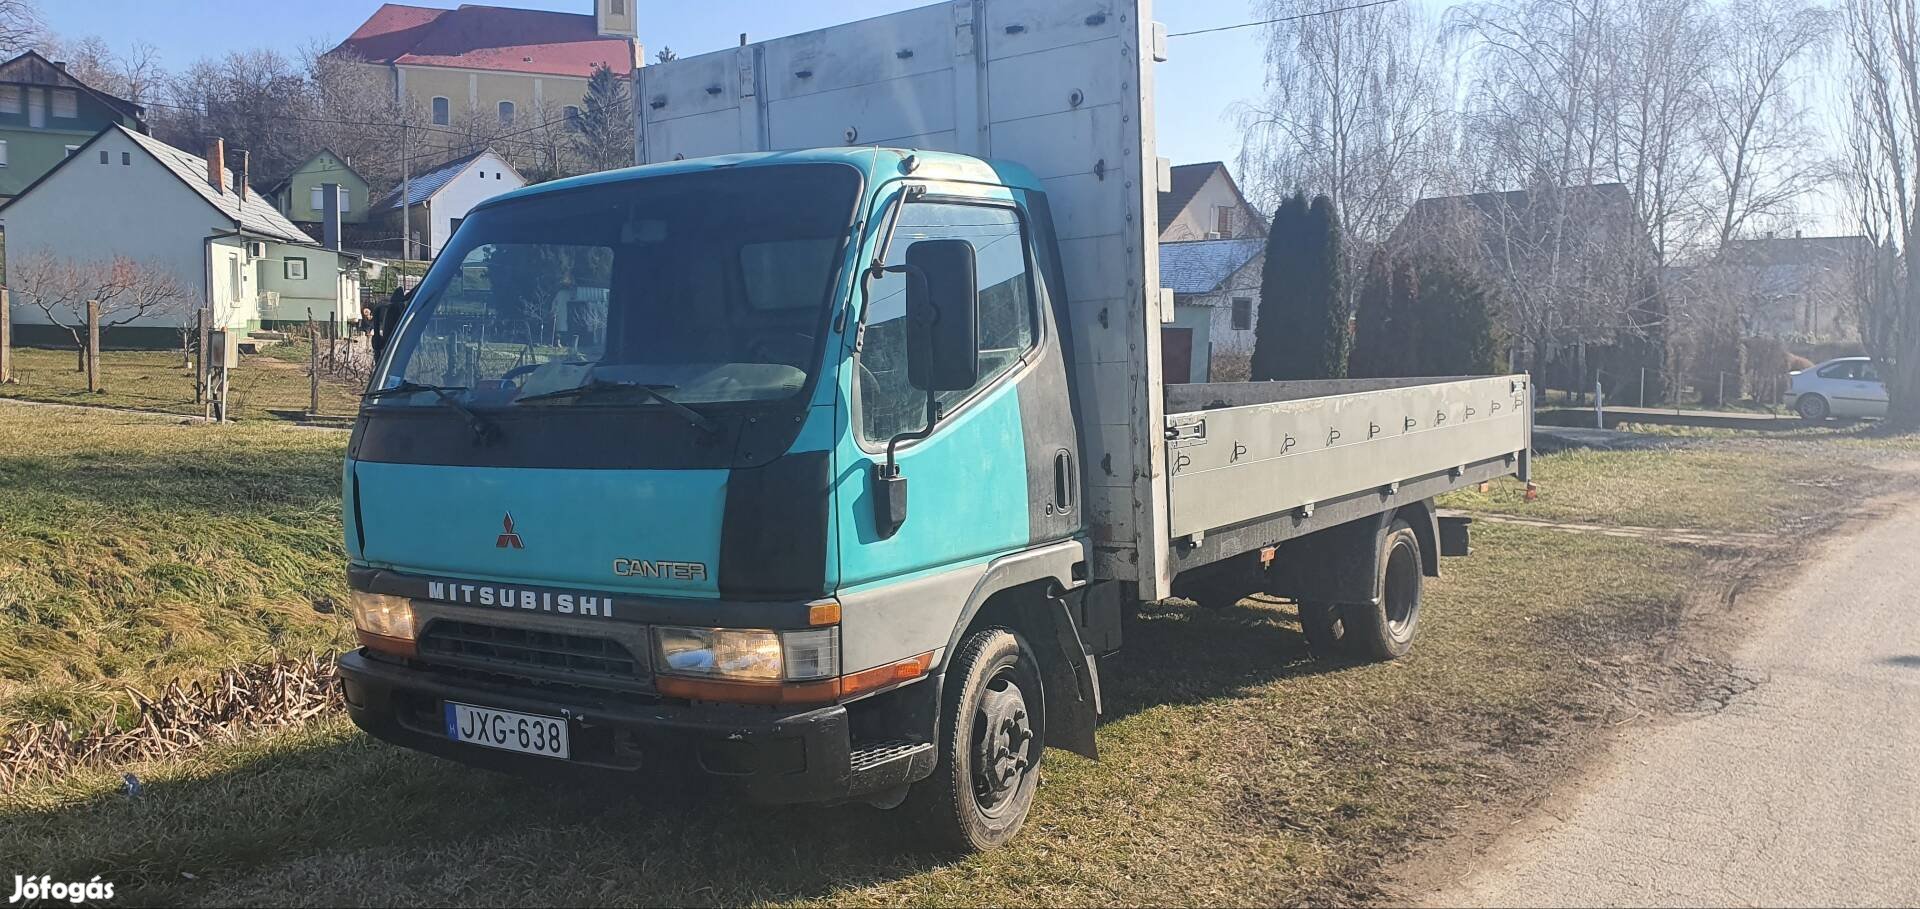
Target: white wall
485, 177
1197, 220
1228, 341
86, 210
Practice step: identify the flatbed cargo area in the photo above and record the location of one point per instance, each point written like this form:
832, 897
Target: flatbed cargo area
1241, 451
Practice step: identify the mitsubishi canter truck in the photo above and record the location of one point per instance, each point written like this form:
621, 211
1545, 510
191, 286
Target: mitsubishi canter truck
822, 454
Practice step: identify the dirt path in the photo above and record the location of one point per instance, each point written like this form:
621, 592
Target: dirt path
1804, 790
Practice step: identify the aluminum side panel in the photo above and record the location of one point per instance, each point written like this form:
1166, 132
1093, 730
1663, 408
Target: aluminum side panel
1236, 464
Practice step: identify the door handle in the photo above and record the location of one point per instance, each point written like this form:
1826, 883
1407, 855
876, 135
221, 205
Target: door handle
1064, 481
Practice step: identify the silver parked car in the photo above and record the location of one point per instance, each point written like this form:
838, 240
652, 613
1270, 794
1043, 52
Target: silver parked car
1844, 387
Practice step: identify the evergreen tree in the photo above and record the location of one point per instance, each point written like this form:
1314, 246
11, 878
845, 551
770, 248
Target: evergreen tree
1302, 332
603, 134
1372, 318
1277, 335
1325, 298
1457, 335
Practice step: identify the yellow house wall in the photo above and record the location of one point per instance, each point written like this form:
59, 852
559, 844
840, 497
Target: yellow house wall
612, 23
480, 93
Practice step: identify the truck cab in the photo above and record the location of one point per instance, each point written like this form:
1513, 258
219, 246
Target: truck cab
668, 519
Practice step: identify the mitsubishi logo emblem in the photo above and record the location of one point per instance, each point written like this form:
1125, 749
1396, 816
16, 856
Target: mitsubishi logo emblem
508, 538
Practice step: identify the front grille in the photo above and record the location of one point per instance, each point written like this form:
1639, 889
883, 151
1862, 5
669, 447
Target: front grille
571, 658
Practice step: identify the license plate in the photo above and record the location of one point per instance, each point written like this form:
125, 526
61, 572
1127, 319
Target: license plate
508, 731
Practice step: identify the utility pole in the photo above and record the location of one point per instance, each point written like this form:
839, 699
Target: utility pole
406, 193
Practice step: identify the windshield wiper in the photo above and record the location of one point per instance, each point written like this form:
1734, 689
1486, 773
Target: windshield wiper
483, 428
695, 417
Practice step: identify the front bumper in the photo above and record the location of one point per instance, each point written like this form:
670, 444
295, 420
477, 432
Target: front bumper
761, 755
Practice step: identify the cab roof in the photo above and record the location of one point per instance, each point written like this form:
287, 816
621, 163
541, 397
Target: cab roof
876, 165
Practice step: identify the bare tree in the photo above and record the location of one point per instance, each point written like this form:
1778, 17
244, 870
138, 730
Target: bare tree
1352, 97
1766, 152
125, 289
1883, 44
134, 74
20, 26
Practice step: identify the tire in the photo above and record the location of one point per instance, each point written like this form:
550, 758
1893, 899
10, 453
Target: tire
983, 786
1813, 408
1324, 627
1384, 630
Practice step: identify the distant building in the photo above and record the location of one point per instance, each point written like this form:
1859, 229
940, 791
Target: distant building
46, 114
1212, 249
1204, 203
1216, 300
126, 194
299, 196
508, 68
1800, 289
438, 200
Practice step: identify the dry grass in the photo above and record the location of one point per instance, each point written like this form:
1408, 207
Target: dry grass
155, 380
1236, 770
135, 550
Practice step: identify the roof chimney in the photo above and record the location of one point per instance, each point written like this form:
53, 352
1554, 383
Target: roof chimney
217, 164
60, 65
242, 188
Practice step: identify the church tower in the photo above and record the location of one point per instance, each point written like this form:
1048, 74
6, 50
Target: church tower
615, 18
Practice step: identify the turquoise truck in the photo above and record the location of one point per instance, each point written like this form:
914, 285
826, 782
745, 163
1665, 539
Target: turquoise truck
821, 455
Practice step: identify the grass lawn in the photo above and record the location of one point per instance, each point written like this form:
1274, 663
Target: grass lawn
155, 380
1236, 770
1722, 481
135, 550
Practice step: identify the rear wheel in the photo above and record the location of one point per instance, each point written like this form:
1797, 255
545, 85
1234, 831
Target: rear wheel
991, 736
1384, 630
1813, 408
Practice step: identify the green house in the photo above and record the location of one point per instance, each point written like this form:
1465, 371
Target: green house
46, 114
299, 196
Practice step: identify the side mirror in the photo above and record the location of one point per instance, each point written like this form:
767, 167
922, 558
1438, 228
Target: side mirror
943, 316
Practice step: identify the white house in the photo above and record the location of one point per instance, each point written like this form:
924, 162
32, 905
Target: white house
1216, 298
1202, 202
436, 201
1212, 251
123, 194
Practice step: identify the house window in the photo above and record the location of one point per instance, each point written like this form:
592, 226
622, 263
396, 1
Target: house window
3, 153
573, 117
319, 202
66, 103
296, 269
617, 7
1242, 314
506, 113
346, 200
9, 99
126, 159
441, 112
1223, 220
104, 159
233, 278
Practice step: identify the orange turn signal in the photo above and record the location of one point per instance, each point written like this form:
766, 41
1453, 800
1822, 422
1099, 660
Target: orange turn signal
794, 693
883, 676
396, 646
768, 693
825, 612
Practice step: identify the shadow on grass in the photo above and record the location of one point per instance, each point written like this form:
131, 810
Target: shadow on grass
217, 479
337, 818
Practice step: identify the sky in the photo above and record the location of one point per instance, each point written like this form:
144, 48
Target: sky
1203, 80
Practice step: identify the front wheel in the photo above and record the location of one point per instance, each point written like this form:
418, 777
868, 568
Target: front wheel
992, 732
1813, 408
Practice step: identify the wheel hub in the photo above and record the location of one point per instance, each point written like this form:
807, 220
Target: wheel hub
1002, 742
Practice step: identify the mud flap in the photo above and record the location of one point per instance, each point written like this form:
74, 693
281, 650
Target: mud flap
1071, 672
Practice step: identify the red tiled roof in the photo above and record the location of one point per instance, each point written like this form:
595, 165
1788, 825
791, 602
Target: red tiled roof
488, 37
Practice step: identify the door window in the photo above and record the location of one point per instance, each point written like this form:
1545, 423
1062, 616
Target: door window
889, 405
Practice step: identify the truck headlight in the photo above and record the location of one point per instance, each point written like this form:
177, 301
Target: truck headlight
748, 656
385, 622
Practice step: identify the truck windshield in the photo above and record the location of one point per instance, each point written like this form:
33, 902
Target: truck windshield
674, 291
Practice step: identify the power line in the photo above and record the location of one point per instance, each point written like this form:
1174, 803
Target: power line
1324, 12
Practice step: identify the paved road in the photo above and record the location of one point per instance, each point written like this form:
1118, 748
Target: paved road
1803, 791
